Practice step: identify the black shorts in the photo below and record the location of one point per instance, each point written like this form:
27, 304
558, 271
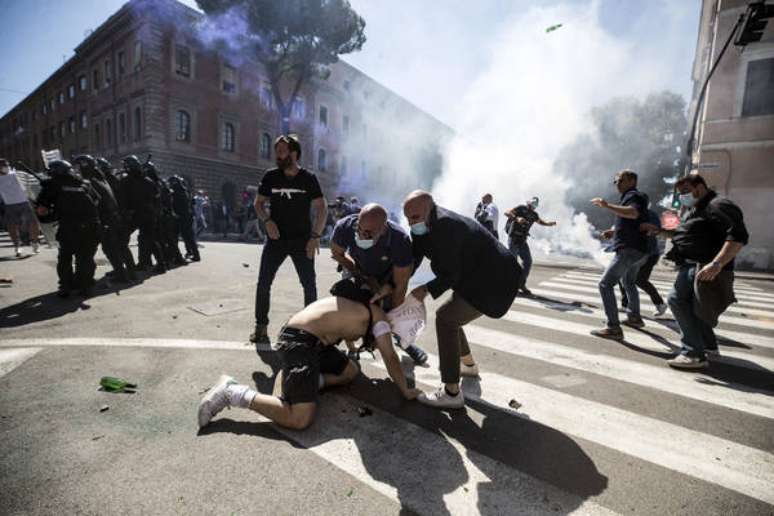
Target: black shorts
305, 358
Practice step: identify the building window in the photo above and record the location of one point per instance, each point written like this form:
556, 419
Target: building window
71, 124
345, 124
109, 132
322, 162
183, 126
95, 80
759, 88
299, 108
34, 114
52, 105
121, 63
323, 116
97, 137
108, 73
267, 97
61, 97
121, 128
44, 108
71, 91
182, 61
228, 137
137, 124
83, 83
228, 83
84, 120
265, 149
137, 56
61, 130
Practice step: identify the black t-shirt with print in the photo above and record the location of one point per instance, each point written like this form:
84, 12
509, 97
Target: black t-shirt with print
291, 200
519, 232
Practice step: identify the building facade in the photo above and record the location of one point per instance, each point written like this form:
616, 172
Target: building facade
735, 133
145, 82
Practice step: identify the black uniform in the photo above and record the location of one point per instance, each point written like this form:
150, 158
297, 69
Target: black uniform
74, 201
142, 199
181, 205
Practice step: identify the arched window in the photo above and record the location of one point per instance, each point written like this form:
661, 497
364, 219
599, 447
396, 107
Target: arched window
265, 146
321, 160
137, 124
228, 137
183, 126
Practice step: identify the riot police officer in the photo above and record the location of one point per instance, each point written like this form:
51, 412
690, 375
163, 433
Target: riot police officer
166, 234
141, 199
74, 202
182, 205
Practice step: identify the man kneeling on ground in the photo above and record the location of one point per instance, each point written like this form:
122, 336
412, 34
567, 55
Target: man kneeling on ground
312, 361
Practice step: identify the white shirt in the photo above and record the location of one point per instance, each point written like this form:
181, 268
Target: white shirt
492, 214
10, 189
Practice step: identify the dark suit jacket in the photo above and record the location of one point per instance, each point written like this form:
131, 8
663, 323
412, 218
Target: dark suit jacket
466, 258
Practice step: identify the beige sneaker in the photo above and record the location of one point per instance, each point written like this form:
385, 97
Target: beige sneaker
442, 399
468, 370
686, 362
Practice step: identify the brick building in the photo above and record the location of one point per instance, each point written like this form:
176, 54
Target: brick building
146, 82
735, 134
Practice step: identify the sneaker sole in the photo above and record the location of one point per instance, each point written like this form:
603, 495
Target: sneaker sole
204, 416
618, 338
688, 366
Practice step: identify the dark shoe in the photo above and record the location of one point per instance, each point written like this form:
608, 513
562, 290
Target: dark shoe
609, 333
86, 292
260, 338
196, 258
526, 291
417, 354
634, 322
63, 293
159, 269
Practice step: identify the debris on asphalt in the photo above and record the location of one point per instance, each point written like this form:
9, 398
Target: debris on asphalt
174, 317
6, 280
515, 405
364, 411
350, 492
245, 264
205, 389
97, 437
104, 408
113, 384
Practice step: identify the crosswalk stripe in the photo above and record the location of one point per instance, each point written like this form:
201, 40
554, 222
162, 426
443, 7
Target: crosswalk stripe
745, 298
594, 290
661, 378
10, 359
638, 339
734, 466
667, 280
597, 314
726, 318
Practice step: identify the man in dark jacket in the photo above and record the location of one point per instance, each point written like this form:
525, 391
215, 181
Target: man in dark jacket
710, 235
482, 274
141, 199
182, 206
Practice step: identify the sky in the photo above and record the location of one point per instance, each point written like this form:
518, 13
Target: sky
429, 51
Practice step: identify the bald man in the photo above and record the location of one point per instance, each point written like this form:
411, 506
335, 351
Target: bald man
376, 253
481, 273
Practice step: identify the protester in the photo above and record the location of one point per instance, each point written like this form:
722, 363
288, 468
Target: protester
19, 214
377, 255
293, 192
200, 203
643, 276
488, 215
630, 246
354, 205
311, 362
710, 235
482, 274
520, 220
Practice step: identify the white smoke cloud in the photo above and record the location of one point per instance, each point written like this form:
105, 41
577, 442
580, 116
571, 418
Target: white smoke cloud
534, 98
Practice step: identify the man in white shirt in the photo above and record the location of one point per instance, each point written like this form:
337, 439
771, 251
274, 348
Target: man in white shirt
488, 215
18, 211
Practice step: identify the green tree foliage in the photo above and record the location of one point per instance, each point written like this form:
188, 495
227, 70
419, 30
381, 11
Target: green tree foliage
297, 40
644, 136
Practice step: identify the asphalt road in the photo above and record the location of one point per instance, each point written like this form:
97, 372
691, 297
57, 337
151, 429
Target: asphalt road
598, 427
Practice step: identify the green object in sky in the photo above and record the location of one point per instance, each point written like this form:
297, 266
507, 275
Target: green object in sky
553, 27
112, 384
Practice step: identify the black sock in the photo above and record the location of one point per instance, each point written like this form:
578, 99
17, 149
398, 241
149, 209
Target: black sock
450, 393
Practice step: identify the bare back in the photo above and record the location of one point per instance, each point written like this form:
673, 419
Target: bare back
334, 318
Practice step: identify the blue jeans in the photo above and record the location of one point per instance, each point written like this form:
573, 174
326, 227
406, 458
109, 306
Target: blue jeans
696, 335
521, 249
274, 253
624, 268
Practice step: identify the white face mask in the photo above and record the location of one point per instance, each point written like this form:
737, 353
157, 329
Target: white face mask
687, 200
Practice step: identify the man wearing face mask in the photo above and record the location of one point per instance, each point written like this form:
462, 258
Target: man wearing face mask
710, 235
630, 244
520, 220
293, 192
376, 254
482, 274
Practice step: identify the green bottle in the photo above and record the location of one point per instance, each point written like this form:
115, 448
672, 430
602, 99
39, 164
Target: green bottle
112, 384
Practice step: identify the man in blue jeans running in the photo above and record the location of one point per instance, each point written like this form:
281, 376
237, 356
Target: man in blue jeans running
630, 246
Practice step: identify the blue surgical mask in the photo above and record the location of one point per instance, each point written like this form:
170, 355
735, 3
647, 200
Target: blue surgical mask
687, 200
420, 228
364, 243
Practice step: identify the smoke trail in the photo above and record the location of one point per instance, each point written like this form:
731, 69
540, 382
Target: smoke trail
535, 98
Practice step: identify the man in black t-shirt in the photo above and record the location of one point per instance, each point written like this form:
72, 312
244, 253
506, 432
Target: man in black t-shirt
630, 244
520, 220
292, 192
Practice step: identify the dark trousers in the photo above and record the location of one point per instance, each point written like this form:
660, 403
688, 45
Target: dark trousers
274, 254
643, 282
79, 241
147, 241
520, 249
187, 234
450, 317
697, 335
115, 245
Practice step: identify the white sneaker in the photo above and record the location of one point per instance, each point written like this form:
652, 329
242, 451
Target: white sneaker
468, 370
215, 400
660, 310
685, 362
442, 399
35, 248
18, 252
